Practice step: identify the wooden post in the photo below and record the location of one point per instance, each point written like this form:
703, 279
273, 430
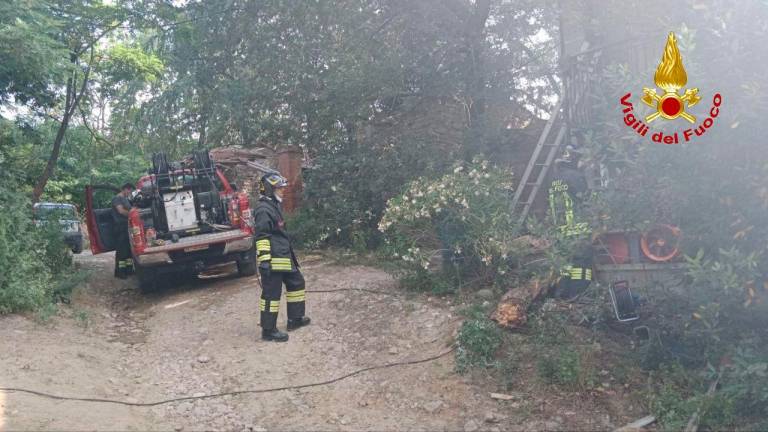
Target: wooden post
289, 162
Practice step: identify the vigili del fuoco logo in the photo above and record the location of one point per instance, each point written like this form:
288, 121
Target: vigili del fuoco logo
670, 76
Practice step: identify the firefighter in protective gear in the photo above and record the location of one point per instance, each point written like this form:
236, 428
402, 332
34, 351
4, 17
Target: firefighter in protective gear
277, 262
568, 184
121, 206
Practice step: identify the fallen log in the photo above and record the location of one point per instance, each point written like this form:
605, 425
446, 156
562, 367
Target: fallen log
534, 245
512, 310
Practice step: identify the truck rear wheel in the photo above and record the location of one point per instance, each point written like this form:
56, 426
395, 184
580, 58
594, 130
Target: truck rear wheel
247, 267
147, 279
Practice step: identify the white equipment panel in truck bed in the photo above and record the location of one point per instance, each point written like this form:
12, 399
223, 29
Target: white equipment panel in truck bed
180, 210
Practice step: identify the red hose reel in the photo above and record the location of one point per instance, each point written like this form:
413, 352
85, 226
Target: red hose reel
661, 243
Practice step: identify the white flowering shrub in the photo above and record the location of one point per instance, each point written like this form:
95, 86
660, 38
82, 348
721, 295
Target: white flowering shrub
462, 217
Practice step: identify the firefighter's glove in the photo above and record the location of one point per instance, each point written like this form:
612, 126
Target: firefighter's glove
265, 269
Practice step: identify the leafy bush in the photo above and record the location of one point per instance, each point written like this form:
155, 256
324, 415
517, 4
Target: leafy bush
745, 382
462, 217
24, 275
478, 340
347, 191
306, 232
34, 261
681, 393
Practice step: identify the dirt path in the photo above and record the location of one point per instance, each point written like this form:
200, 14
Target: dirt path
201, 338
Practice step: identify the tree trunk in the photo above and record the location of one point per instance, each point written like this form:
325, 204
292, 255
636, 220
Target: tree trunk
203, 128
70, 105
475, 84
54, 157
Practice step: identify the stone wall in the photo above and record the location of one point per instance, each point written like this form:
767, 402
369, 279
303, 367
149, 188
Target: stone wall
234, 163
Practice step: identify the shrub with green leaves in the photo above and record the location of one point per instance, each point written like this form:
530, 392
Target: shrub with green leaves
478, 340
462, 217
24, 277
681, 393
745, 382
34, 262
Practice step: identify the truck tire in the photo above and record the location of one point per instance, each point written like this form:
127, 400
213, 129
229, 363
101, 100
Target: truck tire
247, 267
147, 280
78, 247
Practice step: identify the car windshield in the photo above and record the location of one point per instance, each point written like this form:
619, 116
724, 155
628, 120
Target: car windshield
55, 212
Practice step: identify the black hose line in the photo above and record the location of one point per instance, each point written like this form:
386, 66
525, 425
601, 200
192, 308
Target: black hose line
231, 393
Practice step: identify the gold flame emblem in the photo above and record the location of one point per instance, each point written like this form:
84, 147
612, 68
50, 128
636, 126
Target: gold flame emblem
671, 77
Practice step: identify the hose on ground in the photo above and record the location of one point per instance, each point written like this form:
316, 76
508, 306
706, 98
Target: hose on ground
229, 393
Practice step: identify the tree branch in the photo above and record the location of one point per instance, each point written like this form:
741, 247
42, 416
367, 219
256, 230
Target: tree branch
96, 136
85, 84
92, 43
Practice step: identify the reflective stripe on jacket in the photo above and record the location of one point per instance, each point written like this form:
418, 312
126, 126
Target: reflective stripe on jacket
577, 273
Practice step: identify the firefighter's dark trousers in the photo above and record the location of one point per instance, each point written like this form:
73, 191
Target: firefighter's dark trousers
123, 258
272, 288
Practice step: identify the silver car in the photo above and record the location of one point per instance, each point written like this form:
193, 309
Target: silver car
67, 217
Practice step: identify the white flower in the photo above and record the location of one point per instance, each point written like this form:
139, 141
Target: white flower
333, 188
338, 230
458, 170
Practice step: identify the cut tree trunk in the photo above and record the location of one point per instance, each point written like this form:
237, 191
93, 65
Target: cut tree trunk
512, 310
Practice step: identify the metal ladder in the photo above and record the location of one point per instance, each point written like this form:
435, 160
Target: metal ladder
538, 165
